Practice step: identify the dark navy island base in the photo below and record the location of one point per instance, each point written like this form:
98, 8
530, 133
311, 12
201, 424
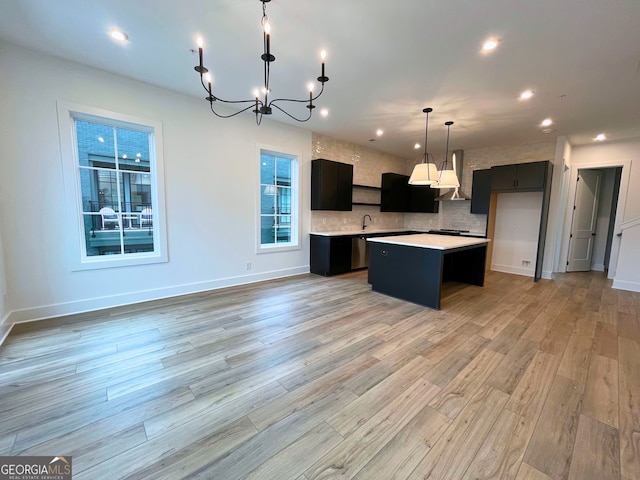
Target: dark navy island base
413, 267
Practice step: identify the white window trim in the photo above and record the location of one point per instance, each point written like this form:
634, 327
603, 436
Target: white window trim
296, 232
74, 225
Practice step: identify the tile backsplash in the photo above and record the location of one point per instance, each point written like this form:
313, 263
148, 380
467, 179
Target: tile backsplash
368, 167
370, 164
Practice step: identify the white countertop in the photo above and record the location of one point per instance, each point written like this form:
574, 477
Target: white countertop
359, 231
436, 242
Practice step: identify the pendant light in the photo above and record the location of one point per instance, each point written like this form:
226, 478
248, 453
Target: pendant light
424, 173
448, 178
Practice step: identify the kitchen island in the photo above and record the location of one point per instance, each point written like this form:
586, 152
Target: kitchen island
413, 267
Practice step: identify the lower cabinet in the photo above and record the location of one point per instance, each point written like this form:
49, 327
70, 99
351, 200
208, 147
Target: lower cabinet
330, 255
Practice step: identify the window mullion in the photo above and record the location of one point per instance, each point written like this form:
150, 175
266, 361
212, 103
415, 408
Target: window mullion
118, 190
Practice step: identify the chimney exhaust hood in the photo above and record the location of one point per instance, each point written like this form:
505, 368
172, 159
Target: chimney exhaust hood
455, 193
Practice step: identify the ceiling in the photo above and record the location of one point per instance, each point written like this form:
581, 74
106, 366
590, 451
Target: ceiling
387, 60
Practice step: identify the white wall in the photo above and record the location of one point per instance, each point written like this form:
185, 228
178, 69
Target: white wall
602, 225
4, 307
627, 276
611, 154
515, 240
557, 200
211, 177
368, 167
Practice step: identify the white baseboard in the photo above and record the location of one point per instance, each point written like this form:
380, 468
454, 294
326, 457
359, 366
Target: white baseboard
527, 272
99, 303
623, 285
5, 327
547, 275
598, 267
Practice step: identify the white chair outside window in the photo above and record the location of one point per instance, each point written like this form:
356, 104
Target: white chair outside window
146, 217
109, 217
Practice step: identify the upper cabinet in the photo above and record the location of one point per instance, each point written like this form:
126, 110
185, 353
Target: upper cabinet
422, 199
395, 193
481, 191
519, 177
331, 185
398, 196
523, 177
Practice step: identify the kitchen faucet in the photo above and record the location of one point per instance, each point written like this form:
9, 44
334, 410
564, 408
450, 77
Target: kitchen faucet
364, 221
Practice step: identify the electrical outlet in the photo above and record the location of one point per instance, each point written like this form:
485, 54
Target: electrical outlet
248, 265
526, 263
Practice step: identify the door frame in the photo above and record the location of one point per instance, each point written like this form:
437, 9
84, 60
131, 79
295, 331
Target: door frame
568, 213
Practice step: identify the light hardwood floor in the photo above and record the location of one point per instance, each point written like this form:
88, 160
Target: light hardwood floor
312, 378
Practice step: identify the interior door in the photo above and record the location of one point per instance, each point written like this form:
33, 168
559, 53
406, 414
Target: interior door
583, 225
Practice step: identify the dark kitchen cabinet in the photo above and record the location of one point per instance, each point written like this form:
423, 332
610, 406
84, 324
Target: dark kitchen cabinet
398, 196
526, 177
519, 177
481, 191
422, 199
395, 195
330, 255
331, 185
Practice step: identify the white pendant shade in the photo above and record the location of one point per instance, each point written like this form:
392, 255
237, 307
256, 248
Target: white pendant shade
424, 174
448, 179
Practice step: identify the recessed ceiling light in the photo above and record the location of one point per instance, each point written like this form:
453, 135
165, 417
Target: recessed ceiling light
601, 137
119, 35
101, 140
416, 146
546, 122
490, 45
138, 155
124, 155
526, 95
324, 112
379, 132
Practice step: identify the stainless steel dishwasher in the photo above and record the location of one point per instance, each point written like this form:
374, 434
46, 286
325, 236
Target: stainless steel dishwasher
359, 252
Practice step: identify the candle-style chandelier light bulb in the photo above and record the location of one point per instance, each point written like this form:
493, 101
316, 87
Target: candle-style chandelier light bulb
261, 106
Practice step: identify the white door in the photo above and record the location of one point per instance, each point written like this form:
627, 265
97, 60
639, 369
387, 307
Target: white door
583, 225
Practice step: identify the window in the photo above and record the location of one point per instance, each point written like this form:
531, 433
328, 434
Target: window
278, 201
112, 183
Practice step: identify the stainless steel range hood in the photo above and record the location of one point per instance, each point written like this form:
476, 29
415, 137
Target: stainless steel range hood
457, 159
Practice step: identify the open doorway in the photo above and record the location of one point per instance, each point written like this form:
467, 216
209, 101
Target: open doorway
593, 219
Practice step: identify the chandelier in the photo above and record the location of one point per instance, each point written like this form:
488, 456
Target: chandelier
261, 106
